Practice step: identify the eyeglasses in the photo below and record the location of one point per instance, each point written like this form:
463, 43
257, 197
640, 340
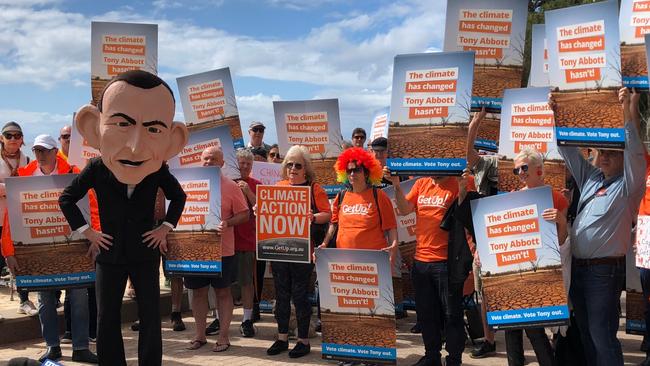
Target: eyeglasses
358, 137
257, 129
357, 169
14, 136
296, 166
41, 151
65, 137
522, 168
273, 155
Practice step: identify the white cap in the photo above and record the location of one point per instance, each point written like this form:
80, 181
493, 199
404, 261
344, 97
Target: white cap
45, 141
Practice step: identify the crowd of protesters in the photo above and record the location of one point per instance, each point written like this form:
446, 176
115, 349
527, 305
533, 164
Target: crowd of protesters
608, 193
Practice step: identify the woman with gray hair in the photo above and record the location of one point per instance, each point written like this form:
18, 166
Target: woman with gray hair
292, 279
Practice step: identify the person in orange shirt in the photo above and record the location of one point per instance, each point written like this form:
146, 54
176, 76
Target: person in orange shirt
292, 279
49, 162
364, 214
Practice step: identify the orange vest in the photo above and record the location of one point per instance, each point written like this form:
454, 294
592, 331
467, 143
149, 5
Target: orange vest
62, 167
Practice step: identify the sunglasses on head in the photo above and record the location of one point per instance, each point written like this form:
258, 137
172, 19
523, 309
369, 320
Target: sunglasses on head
357, 169
65, 137
257, 129
523, 168
15, 136
296, 166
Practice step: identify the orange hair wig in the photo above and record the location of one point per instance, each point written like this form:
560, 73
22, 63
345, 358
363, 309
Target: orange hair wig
362, 158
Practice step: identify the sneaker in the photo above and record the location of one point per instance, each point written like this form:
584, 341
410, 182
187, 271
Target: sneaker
92, 339
52, 353
67, 338
484, 350
28, 308
213, 328
299, 350
246, 329
416, 328
177, 322
277, 347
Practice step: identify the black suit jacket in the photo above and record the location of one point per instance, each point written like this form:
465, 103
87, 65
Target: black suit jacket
123, 218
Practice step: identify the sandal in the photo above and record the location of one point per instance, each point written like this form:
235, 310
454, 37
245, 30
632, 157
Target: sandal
196, 344
220, 347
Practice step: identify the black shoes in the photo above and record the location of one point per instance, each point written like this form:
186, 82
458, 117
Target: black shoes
300, 350
52, 353
277, 347
177, 322
246, 329
424, 361
84, 356
213, 328
484, 350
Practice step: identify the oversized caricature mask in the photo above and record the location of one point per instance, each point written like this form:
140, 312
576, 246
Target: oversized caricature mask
132, 126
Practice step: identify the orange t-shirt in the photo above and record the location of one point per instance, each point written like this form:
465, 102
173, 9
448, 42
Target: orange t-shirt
644, 207
559, 201
358, 220
319, 194
431, 203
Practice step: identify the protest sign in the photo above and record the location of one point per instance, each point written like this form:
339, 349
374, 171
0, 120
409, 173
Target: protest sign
120, 47
267, 173
642, 242
634, 24
429, 113
538, 76
194, 247
585, 73
357, 306
520, 260
209, 98
201, 139
634, 299
527, 122
496, 31
50, 255
315, 124
282, 223
80, 152
379, 125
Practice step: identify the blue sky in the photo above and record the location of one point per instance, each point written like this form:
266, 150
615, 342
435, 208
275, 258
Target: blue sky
276, 50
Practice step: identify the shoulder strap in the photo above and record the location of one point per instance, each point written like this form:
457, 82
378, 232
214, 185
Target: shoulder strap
374, 193
340, 196
590, 198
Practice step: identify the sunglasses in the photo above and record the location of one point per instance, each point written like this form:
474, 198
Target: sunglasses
296, 166
273, 155
41, 151
358, 169
523, 168
65, 137
257, 129
14, 136
358, 137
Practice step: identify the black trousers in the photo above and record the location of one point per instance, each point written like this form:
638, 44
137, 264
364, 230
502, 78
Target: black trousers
438, 305
291, 284
259, 272
110, 285
539, 341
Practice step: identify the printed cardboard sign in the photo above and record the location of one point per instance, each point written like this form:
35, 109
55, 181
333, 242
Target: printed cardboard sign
405, 223
80, 152
585, 72
50, 255
209, 98
121, 47
429, 113
282, 222
634, 24
315, 124
520, 260
267, 173
496, 31
379, 125
357, 306
538, 76
642, 242
634, 299
194, 247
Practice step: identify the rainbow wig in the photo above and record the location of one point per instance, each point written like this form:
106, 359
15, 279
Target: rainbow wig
362, 158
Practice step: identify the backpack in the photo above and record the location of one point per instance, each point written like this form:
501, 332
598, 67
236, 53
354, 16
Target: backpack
339, 199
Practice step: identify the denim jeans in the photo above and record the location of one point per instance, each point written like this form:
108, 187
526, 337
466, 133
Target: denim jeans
50, 322
438, 305
595, 293
645, 284
539, 341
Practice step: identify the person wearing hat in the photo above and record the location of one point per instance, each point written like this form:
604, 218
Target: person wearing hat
256, 134
49, 162
12, 159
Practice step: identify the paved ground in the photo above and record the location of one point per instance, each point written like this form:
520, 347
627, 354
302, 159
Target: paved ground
251, 351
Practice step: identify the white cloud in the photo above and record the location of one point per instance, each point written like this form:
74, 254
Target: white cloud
300, 5
191, 5
258, 107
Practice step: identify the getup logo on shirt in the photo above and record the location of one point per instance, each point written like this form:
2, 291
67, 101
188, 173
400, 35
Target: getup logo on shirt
433, 201
356, 209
